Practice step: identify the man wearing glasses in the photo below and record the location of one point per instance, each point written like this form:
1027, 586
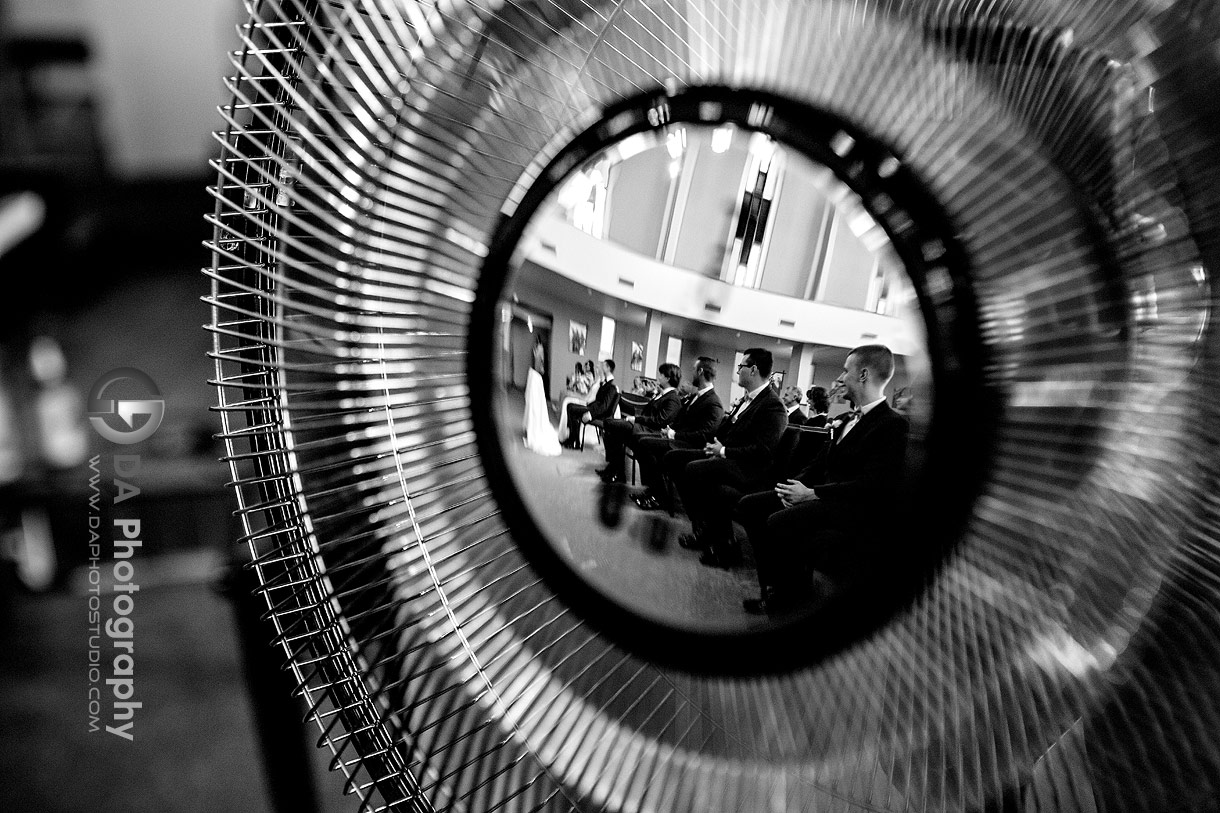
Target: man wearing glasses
738, 458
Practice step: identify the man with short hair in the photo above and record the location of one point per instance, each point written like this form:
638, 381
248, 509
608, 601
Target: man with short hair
739, 456
791, 396
601, 408
693, 427
617, 433
832, 515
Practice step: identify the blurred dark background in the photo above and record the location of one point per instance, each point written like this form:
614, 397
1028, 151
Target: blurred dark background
106, 109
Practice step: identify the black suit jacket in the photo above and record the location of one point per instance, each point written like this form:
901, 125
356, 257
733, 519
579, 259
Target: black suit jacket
865, 464
605, 403
797, 417
751, 440
697, 422
659, 412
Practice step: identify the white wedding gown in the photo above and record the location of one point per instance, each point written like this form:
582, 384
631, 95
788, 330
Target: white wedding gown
540, 436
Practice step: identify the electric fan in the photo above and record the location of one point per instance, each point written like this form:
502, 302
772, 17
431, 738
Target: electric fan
1047, 174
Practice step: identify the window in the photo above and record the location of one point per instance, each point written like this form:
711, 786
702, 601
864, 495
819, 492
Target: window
735, 390
583, 198
673, 351
606, 350
749, 239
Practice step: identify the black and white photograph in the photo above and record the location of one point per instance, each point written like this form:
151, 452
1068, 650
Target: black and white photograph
875, 471
578, 334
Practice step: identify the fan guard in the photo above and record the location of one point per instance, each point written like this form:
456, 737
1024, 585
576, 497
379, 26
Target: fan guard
1064, 657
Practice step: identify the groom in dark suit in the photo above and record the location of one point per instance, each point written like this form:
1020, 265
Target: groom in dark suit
602, 407
831, 517
618, 433
739, 457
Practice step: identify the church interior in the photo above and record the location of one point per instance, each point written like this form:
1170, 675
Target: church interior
362, 265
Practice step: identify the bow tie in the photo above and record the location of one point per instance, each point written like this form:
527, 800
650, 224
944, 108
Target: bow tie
847, 421
739, 407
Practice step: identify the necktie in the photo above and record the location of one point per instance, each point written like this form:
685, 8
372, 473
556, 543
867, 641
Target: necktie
741, 405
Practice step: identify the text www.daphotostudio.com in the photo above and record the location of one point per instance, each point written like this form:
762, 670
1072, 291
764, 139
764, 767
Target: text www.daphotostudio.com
111, 624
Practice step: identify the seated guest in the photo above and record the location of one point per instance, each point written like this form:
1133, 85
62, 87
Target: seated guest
693, 427
591, 384
819, 407
739, 456
577, 384
806, 445
631, 402
791, 396
902, 401
831, 516
645, 387
650, 419
601, 408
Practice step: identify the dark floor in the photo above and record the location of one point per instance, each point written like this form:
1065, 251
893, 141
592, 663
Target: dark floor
193, 747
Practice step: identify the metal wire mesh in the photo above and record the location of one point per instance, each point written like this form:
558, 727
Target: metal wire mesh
1065, 658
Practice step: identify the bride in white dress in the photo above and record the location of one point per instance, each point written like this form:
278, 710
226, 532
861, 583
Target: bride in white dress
540, 436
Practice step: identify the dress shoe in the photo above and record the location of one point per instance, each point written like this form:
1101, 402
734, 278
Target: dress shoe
755, 606
723, 558
646, 501
690, 542
611, 478
770, 603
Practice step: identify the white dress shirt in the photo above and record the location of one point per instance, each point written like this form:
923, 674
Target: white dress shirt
864, 410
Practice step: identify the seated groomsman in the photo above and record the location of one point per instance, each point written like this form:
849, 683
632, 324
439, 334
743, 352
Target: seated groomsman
600, 409
739, 457
832, 516
695, 425
650, 419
